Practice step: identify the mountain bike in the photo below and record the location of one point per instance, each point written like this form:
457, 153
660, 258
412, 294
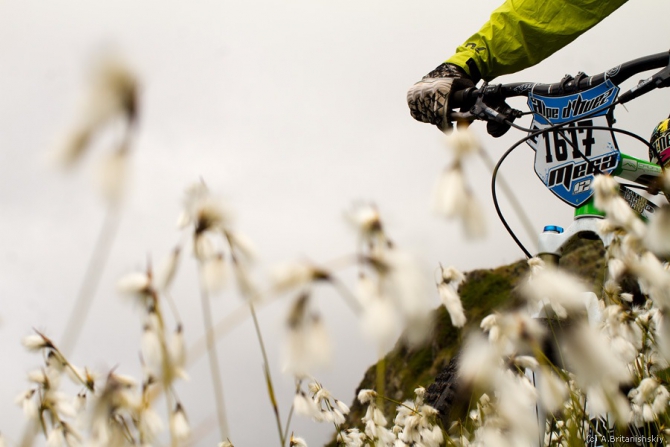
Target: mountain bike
574, 139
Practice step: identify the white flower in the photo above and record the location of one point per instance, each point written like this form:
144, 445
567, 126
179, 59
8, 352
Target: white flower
462, 141
150, 424
653, 278
203, 246
336, 416
603, 398
305, 406
180, 426
242, 245
79, 403
420, 392
342, 406
36, 342
552, 390
526, 361
39, 377
406, 283
321, 394
152, 353
366, 220
473, 221
210, 214
451, 275
293, 275
452, 303
625, 335
590, 356
115, 89
489, 324
650, 399
594, 308
379, 322
297, 442
60, 403
204, 210
451, 193
480, 361
214, 273
560, 290
177, 352
536, 265
432, 436
657, 238
56, 437
605, 188
513, 332
376, 416
606, 193
452, 198
308, 345
375, 423
366, 396
516, 405
351, 438
113, 95
28, 404
137, 283
598, 370
616, 268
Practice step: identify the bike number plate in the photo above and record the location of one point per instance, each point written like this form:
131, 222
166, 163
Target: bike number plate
558, 160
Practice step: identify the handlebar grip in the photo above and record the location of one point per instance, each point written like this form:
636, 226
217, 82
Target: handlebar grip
463, 98
659, 80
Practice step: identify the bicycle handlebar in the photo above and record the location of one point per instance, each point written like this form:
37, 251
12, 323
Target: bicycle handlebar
468, 97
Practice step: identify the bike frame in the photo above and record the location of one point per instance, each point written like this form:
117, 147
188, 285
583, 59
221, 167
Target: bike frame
587, 217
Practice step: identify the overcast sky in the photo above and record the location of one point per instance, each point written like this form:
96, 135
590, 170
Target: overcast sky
292, 110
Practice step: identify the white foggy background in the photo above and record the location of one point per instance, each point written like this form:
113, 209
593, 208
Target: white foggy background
292, 110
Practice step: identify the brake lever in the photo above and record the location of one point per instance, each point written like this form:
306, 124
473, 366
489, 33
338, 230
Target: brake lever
497, 119
486, 113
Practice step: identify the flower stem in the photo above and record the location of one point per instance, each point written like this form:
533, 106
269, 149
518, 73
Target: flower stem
249, 294
268, 376
213, 360
88, 287
381, 381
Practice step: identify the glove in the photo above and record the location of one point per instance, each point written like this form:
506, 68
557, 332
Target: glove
428, 99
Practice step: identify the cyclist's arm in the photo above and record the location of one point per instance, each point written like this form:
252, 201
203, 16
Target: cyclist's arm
521, 33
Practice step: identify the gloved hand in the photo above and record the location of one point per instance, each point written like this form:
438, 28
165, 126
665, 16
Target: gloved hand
428, 99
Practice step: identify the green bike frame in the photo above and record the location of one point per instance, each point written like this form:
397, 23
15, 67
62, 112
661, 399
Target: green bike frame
635, 170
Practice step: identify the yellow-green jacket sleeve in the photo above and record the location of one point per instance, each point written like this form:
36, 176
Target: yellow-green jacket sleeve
521, 33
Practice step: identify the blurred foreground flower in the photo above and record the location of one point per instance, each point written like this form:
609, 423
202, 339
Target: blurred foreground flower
657, 239
452, 197
607, 198
307, 345
557, 290
448, 290
112, 99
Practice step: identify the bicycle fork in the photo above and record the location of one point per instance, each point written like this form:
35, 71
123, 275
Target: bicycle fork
551, 243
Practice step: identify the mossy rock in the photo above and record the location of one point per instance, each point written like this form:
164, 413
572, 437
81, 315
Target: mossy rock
482, 292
